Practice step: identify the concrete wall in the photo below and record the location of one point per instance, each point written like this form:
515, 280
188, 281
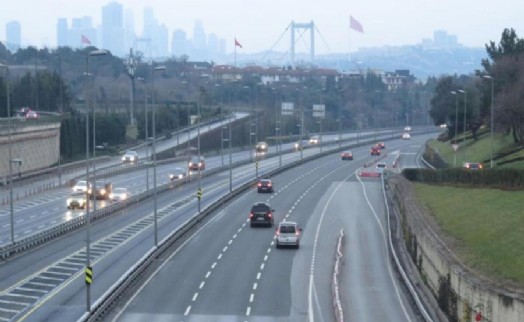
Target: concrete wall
37, 145
462, 294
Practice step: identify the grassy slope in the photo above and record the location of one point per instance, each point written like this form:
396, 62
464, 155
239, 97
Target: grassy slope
488, 223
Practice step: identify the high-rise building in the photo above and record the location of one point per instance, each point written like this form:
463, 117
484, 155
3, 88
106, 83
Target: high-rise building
199, 42
82, 26
212, 44
13, 35
62, 31
179, 43
113, 35
156, 33
129, 27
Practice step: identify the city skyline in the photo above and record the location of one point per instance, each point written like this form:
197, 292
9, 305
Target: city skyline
258, 28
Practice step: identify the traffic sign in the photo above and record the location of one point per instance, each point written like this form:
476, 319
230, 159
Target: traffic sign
455, 147
199, 194
89, 275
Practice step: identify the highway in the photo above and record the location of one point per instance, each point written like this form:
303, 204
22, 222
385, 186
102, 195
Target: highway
47, 284
231, 272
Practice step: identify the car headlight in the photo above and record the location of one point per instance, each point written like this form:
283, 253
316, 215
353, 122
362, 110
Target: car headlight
123, 158
69, 200
180, 176
103, 191
132, 158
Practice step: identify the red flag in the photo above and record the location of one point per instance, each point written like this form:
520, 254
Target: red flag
237, 43
355, 25
85, 40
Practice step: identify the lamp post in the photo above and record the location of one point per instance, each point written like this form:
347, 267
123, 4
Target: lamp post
465, 104
11, 212
146, 135
491, 121
93, 53
456, 125
155, 210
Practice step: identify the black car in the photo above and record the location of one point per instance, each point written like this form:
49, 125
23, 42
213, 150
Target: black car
261, 214
265, 185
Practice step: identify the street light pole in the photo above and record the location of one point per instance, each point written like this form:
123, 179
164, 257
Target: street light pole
491, 121
155, 210
8, 102
87, 213
456, 126
465, 104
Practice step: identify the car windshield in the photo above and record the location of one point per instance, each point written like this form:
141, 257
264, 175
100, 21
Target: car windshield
381, 165
81, 184
120, 190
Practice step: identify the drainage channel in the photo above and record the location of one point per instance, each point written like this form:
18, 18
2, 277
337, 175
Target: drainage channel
34, 288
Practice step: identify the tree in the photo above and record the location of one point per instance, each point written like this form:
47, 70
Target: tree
505, 65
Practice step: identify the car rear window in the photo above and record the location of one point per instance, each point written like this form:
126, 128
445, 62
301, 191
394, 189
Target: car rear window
381, 165
287, 229
260, 208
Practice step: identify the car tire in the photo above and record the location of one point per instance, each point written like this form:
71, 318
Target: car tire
277, 245
251, 225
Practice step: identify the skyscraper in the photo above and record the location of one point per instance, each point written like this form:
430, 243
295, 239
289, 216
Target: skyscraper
62, 31
199, 41
113, 35
179, 44
13, 35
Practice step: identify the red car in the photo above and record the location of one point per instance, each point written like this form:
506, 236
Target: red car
347, 155
375, 150
382, 145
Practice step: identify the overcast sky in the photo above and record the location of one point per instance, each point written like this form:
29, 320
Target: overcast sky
258, 24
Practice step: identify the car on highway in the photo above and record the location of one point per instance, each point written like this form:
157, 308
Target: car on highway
178, 174
314, 140
102, 190
346, 155
31, 115
381, 145
196, 163
119, 194
261, 214
300, 145
287, 234
261, 148
380, 167
406, 136
76, 200
130, 157
407, 128
81, 186
375, 150
473, 166
265, 185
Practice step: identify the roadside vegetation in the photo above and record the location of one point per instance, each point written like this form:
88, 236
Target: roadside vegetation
485, 223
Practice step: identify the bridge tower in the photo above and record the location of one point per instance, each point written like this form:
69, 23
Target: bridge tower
306, 26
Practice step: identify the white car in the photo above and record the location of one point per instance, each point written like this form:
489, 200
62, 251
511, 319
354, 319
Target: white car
314, 139
81, 186
380, 167
130, 157
407, 128
178, 174
77, 200
406, 136
287, 234
119, 194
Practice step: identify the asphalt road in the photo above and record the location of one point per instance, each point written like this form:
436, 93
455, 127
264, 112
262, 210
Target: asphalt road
49, 280
231, 272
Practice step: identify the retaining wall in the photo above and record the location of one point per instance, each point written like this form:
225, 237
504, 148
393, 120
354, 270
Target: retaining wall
36, 145
463, 295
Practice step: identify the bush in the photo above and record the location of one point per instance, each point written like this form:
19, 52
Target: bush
508, 179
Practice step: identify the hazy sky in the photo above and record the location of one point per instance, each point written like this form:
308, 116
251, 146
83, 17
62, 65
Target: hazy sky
259, 24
